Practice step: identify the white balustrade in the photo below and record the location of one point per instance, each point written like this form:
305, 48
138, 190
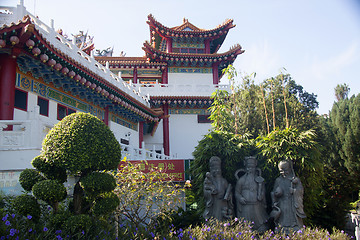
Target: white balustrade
29, 134
159, 89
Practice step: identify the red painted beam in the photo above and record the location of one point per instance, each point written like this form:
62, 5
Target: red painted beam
7, 86
166, 131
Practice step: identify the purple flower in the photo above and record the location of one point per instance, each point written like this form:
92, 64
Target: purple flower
5, 218
29, 217
7, 223
83, 232
45, 229
30, 230
13, 215
59, 237
12, 232
58, 231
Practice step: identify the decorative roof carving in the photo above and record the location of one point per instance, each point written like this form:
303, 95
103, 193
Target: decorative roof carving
56, 59
192, 58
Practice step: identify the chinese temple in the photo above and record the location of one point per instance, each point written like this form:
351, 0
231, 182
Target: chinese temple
156, 105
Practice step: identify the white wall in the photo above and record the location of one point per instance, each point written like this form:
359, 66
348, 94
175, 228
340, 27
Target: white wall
125, 133
185, 133
190, 78
155, 140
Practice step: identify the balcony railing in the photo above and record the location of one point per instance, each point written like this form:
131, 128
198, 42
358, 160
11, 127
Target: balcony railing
28, 135
159, 89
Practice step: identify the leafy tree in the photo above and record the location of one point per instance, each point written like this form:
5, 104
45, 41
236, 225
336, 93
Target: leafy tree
82, 146
341, 91
302, 149
257, 109
145, 196
345, 121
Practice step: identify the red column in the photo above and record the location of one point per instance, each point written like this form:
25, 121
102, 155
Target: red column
215, 69
141, 134
164, 76
7, 86
166, 129
106, 116
169, 45
135, 75
207, 46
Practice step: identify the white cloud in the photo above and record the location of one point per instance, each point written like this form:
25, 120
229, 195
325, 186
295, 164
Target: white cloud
324, 68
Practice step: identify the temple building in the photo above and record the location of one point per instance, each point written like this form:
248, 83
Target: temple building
156, 105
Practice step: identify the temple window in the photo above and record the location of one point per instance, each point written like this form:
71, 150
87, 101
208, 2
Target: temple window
21, 99
63, 111
204, 119
44, 106
188, 50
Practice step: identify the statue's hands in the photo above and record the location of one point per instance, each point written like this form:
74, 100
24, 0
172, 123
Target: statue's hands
278, 192
242, 200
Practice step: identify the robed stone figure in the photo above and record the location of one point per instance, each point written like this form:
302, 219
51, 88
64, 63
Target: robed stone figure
217, 193
250, 195
287, 198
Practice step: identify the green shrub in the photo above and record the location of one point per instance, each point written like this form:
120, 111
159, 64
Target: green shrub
82, 143
49, 169
27, 205
49, 191
106, 204
78, 223
58, 220
29, 177
98, 182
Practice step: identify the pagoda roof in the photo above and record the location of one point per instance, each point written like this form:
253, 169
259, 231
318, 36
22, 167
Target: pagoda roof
188, 30
130, 61
47, 54
203, 102
192, 59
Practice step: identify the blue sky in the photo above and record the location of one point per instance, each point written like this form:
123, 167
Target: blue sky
317, 42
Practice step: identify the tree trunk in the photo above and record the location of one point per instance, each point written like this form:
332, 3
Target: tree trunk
78, 193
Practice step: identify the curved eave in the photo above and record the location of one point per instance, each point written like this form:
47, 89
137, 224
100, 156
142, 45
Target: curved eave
108, 93
168, 32
193, 59
130, 61
216, 35
202, 102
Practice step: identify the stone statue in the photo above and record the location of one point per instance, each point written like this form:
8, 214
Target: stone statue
250, 195
217, 193
287, 198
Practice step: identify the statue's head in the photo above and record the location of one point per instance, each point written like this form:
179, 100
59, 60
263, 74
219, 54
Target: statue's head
215, 166
285, 168
250, 164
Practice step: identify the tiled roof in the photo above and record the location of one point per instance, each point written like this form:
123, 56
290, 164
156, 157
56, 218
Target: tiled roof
128, 61
180, 29
158, 55
75, 64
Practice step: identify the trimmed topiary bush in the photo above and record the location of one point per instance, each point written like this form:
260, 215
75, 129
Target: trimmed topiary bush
29, 177
49, 169
98, 182
106, 204
58, 220
49, 191
27, 205
82, 143
78, 223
